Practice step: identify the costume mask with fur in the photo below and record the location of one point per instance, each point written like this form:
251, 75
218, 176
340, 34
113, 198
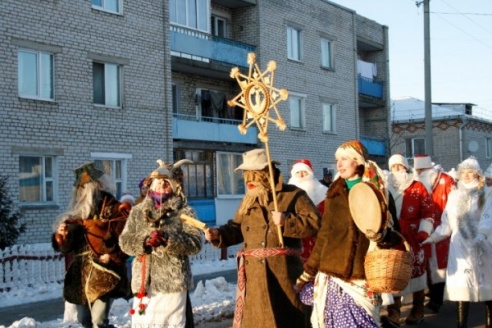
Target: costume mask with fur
257, 190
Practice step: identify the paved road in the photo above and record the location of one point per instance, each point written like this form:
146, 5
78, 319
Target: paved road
53, 309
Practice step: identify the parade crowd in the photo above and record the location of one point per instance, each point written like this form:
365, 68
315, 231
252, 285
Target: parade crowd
304, 242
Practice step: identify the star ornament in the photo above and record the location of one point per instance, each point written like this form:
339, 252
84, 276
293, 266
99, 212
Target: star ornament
258, 97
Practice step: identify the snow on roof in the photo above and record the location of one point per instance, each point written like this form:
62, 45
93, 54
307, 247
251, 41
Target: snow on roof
408, 108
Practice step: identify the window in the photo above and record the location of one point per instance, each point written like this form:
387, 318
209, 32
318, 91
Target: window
190, 13
113, 6
218, 26
297, 111
414, 146
229, 183
488, 147
35, 74
114, 165
293, 43
197, 177
106, 84
326, 51
37, 183
329, 118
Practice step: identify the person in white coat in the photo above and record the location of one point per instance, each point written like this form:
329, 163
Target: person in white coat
467, 218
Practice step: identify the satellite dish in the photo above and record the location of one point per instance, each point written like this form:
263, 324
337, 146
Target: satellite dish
473, 146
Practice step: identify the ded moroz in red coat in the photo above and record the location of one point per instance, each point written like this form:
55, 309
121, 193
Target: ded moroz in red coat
442, 186
416, 212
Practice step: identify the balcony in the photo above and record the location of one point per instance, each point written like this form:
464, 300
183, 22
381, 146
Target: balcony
370, 87
375, 146
200, 53
191, 127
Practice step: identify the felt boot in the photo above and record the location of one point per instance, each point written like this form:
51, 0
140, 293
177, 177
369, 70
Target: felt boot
417, 312
463, 314
392, 320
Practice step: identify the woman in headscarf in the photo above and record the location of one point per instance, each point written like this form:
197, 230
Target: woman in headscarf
340, 294
467, 218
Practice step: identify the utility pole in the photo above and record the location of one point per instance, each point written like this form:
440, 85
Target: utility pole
429, 146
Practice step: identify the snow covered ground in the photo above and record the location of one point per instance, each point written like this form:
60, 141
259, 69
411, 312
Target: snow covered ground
212, 300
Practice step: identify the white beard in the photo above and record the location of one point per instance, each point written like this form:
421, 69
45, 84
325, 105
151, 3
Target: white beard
400, 180
315, 190
427, 178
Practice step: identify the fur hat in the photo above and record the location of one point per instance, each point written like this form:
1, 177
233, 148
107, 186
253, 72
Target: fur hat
254, 160
302, 165
470, 163
128, 198
422, 162
488, 172
354, 149
87, 172
398, 159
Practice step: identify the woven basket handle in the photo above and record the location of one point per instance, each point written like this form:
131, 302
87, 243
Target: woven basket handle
405, 242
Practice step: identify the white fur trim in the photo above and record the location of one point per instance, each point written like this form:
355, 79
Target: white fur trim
426, 226
398, 159
300, 167
422, 162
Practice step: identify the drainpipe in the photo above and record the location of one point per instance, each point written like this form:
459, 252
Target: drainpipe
356, 88
460, 131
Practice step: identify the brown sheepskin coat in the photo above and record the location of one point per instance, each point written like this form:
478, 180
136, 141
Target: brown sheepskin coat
270, 299
87, 278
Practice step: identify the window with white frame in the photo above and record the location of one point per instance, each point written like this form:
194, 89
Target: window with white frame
35, 74
114, 6
294, 43
218, 26
106, 84
329, 117
414, 146
193, 14
326, 53
37, 179
229, 182
114, 165
297, 111
488, 147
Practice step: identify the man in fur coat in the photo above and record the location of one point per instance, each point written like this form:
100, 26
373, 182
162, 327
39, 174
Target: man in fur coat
89, 230
161, 244
267, 272
439, 185
415, 213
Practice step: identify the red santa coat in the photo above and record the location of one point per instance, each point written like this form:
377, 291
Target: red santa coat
415, 210
441, 188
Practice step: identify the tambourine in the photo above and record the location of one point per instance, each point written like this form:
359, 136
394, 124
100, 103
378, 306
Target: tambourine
368, 208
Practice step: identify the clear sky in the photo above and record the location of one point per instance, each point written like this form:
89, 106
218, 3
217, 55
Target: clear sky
461, 48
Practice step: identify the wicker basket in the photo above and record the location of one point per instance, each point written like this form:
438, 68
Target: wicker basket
388, 270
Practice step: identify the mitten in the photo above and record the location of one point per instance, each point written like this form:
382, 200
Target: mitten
157, 238
421, 236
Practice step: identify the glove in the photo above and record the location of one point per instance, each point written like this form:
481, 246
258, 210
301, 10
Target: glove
478, 240
421, 236
303, 279
157, 238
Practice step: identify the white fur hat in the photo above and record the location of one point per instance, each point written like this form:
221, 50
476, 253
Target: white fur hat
470, 163
398, 159
488, 172
422, 162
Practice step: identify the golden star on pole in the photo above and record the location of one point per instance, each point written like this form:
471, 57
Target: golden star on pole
258, 97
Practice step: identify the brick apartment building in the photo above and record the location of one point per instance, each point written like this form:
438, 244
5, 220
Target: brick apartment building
124, 83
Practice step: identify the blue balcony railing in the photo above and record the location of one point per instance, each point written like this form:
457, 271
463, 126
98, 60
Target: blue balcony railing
190, 127
375, 146
202, 45
370, 88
